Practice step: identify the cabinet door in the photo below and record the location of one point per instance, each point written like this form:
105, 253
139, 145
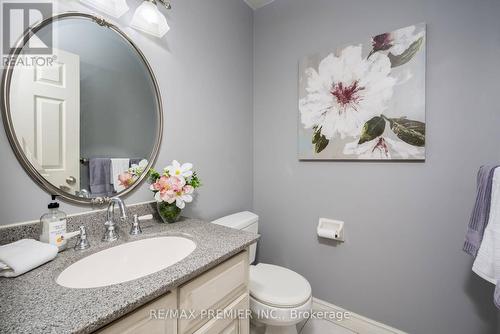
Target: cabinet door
213, 290
149, 319
236, 319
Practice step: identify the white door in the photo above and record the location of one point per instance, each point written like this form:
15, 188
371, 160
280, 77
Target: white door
45, 108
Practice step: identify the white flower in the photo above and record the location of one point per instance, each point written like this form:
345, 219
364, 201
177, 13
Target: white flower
184, 197
138, 169
383, 147
346, 92
176, 169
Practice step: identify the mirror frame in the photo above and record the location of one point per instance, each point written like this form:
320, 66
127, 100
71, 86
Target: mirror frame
9, 127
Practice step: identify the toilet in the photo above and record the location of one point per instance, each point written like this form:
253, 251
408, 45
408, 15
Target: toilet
279, 297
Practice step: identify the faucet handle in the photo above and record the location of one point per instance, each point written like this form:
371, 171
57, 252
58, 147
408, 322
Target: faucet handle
136, 227
82, 242
145, 217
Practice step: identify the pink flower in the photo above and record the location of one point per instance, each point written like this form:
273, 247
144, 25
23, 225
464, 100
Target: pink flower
161, 184
172, 189
168, 188
188, 190
183, 196
382, 42
126, 179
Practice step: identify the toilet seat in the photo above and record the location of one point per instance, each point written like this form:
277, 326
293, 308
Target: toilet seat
278, 287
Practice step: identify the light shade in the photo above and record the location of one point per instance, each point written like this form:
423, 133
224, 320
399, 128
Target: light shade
148, 18
115, 8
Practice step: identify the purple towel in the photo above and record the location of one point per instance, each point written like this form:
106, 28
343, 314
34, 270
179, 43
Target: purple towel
481, 212
100, 177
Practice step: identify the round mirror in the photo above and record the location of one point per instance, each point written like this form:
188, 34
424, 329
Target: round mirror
85, 118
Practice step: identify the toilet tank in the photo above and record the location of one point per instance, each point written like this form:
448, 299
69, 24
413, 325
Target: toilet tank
246, 221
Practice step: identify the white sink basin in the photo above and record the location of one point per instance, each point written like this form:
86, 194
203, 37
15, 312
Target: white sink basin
126, 262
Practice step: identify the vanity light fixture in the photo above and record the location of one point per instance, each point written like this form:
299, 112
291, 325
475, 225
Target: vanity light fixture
115, 8
148, 18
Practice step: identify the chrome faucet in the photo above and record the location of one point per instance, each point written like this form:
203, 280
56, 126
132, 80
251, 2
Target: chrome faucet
111, 233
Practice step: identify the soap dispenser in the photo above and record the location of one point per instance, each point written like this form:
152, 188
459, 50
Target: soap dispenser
54, 226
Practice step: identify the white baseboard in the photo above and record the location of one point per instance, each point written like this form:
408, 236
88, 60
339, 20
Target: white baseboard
355, 322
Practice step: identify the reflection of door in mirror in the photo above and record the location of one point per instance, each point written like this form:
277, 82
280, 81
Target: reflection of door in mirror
47, 118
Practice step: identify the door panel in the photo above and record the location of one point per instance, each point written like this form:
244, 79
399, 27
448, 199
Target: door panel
49, 132
141, 322
214, 290
46, 101
235, 321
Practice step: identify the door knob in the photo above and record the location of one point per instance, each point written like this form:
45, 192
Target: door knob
71, 180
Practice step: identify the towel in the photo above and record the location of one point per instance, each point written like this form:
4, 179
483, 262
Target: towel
118, 166
481, 211
23, 255
487, 262
488, 255
100, 177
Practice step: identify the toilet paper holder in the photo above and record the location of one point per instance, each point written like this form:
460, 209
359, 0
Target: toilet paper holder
331, 229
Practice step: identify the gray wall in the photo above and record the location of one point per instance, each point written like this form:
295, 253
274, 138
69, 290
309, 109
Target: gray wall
402, 263
204, 68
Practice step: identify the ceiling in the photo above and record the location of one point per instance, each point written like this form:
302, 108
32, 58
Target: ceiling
256, 4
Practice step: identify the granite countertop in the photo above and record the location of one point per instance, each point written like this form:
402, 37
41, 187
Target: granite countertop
35, 303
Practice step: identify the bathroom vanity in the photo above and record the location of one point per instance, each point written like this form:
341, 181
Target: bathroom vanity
213, 277
223, 288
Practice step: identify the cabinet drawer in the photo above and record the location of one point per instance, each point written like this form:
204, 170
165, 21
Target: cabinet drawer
236, 320
141, 322
213, 290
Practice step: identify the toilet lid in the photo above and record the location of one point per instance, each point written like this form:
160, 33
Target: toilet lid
278, 286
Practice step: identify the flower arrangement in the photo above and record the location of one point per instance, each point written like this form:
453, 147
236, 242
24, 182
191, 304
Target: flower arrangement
173, 189
131, 175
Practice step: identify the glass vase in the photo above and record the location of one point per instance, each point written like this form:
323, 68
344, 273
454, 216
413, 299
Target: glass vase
169, 213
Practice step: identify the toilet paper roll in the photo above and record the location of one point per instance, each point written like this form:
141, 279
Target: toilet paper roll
329, 234
331, 229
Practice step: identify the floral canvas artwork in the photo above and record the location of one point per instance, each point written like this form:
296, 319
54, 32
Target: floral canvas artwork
365, 101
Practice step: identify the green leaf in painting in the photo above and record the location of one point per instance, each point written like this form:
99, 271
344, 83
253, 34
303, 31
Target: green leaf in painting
372, 129
407, 55
320, 142
411, 132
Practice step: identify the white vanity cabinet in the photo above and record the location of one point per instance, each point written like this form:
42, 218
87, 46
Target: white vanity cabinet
231, 324
140, 320
217, 301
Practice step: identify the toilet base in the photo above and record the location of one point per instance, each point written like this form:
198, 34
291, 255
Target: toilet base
275, 320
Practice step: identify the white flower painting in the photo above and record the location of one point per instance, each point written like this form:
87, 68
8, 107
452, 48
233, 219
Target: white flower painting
365, 101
